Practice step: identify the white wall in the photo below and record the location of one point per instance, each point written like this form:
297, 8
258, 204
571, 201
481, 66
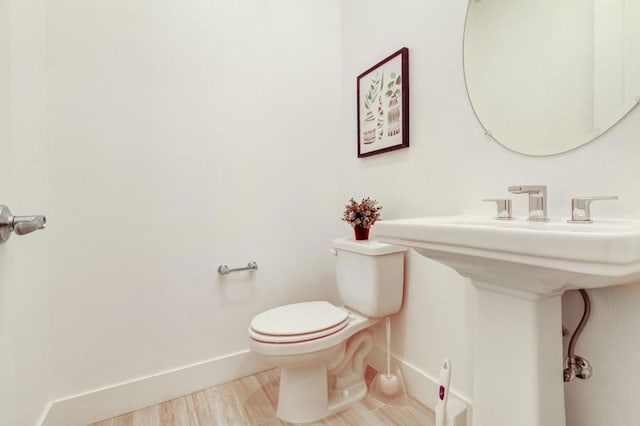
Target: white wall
450, 167
24, 327
185, 135
6, 352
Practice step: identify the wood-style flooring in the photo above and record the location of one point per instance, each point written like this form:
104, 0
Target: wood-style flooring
252, 401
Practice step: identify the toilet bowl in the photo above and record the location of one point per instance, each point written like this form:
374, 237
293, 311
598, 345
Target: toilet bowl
321, 348
322, 364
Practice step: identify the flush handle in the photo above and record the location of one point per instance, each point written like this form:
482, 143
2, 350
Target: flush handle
581, 207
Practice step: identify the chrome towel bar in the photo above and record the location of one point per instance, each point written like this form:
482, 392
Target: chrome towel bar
224, 269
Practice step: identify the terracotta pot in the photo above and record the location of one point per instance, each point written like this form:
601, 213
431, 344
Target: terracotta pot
361, 233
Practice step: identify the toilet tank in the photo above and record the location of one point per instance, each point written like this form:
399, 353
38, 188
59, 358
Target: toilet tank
370, 276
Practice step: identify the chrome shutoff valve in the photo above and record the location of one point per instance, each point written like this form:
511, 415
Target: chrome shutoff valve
578, 367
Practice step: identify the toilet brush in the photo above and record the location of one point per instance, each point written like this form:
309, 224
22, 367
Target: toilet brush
389, 384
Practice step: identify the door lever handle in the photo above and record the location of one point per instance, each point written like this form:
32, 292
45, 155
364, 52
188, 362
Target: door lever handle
21, 225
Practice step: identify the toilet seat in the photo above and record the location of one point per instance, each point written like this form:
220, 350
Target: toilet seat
298, 322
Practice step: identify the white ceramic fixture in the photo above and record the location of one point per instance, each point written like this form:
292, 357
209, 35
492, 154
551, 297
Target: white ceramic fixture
320, 348
520, 270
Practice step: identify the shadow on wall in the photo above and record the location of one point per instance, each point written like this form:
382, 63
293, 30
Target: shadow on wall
435, 324
7, 399
237, 288
2, 290
610, 395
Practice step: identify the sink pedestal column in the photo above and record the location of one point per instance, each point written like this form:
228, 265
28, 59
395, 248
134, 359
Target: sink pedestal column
519, 362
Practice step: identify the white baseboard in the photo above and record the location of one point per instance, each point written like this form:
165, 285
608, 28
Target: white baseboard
420, 384
111, 401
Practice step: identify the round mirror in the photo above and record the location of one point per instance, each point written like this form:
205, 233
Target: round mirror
547, 76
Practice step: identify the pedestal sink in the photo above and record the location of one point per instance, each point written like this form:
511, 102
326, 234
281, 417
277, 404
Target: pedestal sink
520, 270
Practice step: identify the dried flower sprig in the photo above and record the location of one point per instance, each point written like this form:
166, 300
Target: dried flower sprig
364, 214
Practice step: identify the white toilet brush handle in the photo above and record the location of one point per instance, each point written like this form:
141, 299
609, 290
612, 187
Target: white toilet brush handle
443, 393
388, 346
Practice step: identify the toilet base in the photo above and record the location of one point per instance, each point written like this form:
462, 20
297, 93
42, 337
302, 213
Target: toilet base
303, 394
311, 392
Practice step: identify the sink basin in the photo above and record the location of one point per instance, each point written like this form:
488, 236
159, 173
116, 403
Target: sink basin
600, 254
520, 270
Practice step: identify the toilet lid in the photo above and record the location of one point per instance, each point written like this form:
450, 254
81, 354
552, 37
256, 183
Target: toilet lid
298, 322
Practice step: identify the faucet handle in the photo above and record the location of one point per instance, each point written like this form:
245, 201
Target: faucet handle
580, 207
504, 208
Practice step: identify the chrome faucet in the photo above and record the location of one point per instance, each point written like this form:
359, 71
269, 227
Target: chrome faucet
537, 200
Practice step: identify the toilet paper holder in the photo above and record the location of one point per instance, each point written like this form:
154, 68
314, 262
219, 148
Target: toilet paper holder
224, 269
21, 225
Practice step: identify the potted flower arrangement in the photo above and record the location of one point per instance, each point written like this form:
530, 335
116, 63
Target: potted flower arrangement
361, 216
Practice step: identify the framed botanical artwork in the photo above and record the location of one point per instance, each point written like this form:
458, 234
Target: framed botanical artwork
383, 105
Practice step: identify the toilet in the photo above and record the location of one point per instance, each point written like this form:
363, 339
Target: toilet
321, 348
